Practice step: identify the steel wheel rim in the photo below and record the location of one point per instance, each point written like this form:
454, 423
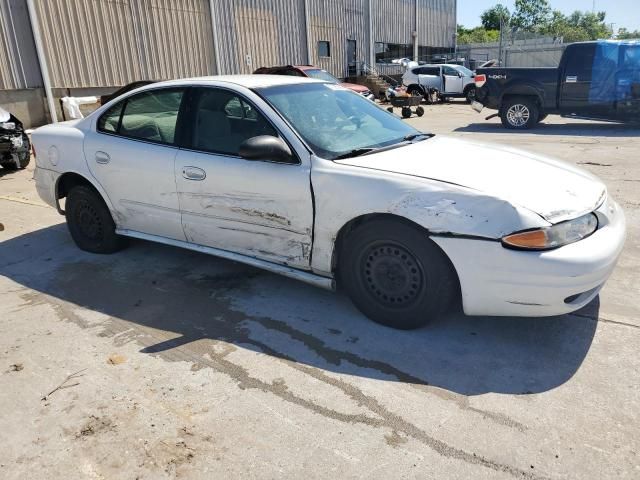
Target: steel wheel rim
392, 275
518, 115
88, 221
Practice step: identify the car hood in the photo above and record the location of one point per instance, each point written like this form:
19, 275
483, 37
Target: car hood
554, 190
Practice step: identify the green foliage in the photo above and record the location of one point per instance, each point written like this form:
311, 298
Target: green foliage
577, 27
624, 34
477, 35
536, 16
530, 14
491, 18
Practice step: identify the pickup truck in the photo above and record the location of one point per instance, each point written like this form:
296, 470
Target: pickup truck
595, 80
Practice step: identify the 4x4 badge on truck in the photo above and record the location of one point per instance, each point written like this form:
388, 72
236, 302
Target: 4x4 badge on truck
498, 77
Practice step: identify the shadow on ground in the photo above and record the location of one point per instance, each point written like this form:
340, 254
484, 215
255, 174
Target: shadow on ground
177, 299
591, 129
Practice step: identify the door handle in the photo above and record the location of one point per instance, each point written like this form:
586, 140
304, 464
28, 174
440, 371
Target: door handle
102, 157
193, 173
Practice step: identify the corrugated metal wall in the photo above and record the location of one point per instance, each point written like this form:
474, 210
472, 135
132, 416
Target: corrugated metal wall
18, 61
337, 21
95, 43
258, 33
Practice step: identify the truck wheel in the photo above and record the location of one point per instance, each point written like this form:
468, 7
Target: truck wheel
519, 113
470, 94
395, 274
90, 223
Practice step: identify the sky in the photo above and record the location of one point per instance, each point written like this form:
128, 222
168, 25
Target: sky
623, 13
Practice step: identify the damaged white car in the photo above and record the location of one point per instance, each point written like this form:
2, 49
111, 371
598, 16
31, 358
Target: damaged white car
307, 179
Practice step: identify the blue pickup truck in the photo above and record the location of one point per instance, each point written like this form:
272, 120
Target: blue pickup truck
595, 80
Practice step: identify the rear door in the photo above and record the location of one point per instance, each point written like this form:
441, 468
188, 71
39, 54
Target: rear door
430, 77
583, 88
262, 209
131, 153
453, 81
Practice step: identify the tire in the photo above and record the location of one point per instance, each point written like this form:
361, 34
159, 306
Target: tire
406, 112
390, 109
470, 94
519, 113
415, 91
395, 275
90, 223
420, 111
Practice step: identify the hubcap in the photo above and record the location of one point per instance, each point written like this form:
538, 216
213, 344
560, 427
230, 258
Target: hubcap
518, 115
89, 221
392, 275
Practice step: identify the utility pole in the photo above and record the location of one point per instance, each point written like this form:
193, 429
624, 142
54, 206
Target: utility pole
501, 39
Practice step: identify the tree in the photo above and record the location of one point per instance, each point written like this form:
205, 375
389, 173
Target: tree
491, 18
624, 34
577, 27
476, 35
530, 15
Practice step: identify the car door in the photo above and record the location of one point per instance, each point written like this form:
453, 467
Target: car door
452, 80
430, 77
131, 152
262, 209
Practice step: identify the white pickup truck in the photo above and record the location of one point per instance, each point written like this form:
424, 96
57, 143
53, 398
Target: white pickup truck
450, 80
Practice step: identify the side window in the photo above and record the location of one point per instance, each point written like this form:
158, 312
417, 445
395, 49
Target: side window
324, 48
580, 62
223, 120
450, 71
151, 115
110, 119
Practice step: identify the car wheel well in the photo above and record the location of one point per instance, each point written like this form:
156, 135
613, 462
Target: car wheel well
67, 182
415, 86
356, 222
535, 98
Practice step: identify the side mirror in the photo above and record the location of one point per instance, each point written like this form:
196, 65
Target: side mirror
266, 147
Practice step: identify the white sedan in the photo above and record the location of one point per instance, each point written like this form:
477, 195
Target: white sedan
309, 180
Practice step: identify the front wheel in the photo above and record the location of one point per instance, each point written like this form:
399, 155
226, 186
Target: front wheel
90, 223
519, 113
470, 94
395, 274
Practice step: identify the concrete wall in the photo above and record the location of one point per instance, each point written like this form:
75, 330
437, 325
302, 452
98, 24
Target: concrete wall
26, 104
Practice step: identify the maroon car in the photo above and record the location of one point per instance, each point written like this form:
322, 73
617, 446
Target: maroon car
314, 72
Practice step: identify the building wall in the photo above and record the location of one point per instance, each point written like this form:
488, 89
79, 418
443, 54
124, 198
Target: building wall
109, 43
18, 61
259, 33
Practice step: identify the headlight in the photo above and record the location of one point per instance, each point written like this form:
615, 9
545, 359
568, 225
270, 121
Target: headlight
555, 236
8, 126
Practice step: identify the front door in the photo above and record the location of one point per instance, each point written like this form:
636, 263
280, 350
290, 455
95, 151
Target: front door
452, 80
258, 208
352, 59
131, 153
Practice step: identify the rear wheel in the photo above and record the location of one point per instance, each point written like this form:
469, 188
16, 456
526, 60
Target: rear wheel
90, 223
395, 275
519, 113
415, 91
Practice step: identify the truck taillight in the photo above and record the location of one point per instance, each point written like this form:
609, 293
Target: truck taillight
480, 79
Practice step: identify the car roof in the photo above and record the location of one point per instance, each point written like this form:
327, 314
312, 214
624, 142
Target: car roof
247, 81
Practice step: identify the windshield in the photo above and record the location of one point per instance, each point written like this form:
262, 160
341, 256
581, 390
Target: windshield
334, 121
465, 71
322, 75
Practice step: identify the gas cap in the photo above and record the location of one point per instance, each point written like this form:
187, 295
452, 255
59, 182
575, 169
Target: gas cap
53, 155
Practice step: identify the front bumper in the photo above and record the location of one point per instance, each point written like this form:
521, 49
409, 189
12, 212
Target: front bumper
498, 281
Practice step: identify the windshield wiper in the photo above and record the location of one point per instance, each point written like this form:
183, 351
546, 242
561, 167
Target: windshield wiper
355, 153
413, 136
